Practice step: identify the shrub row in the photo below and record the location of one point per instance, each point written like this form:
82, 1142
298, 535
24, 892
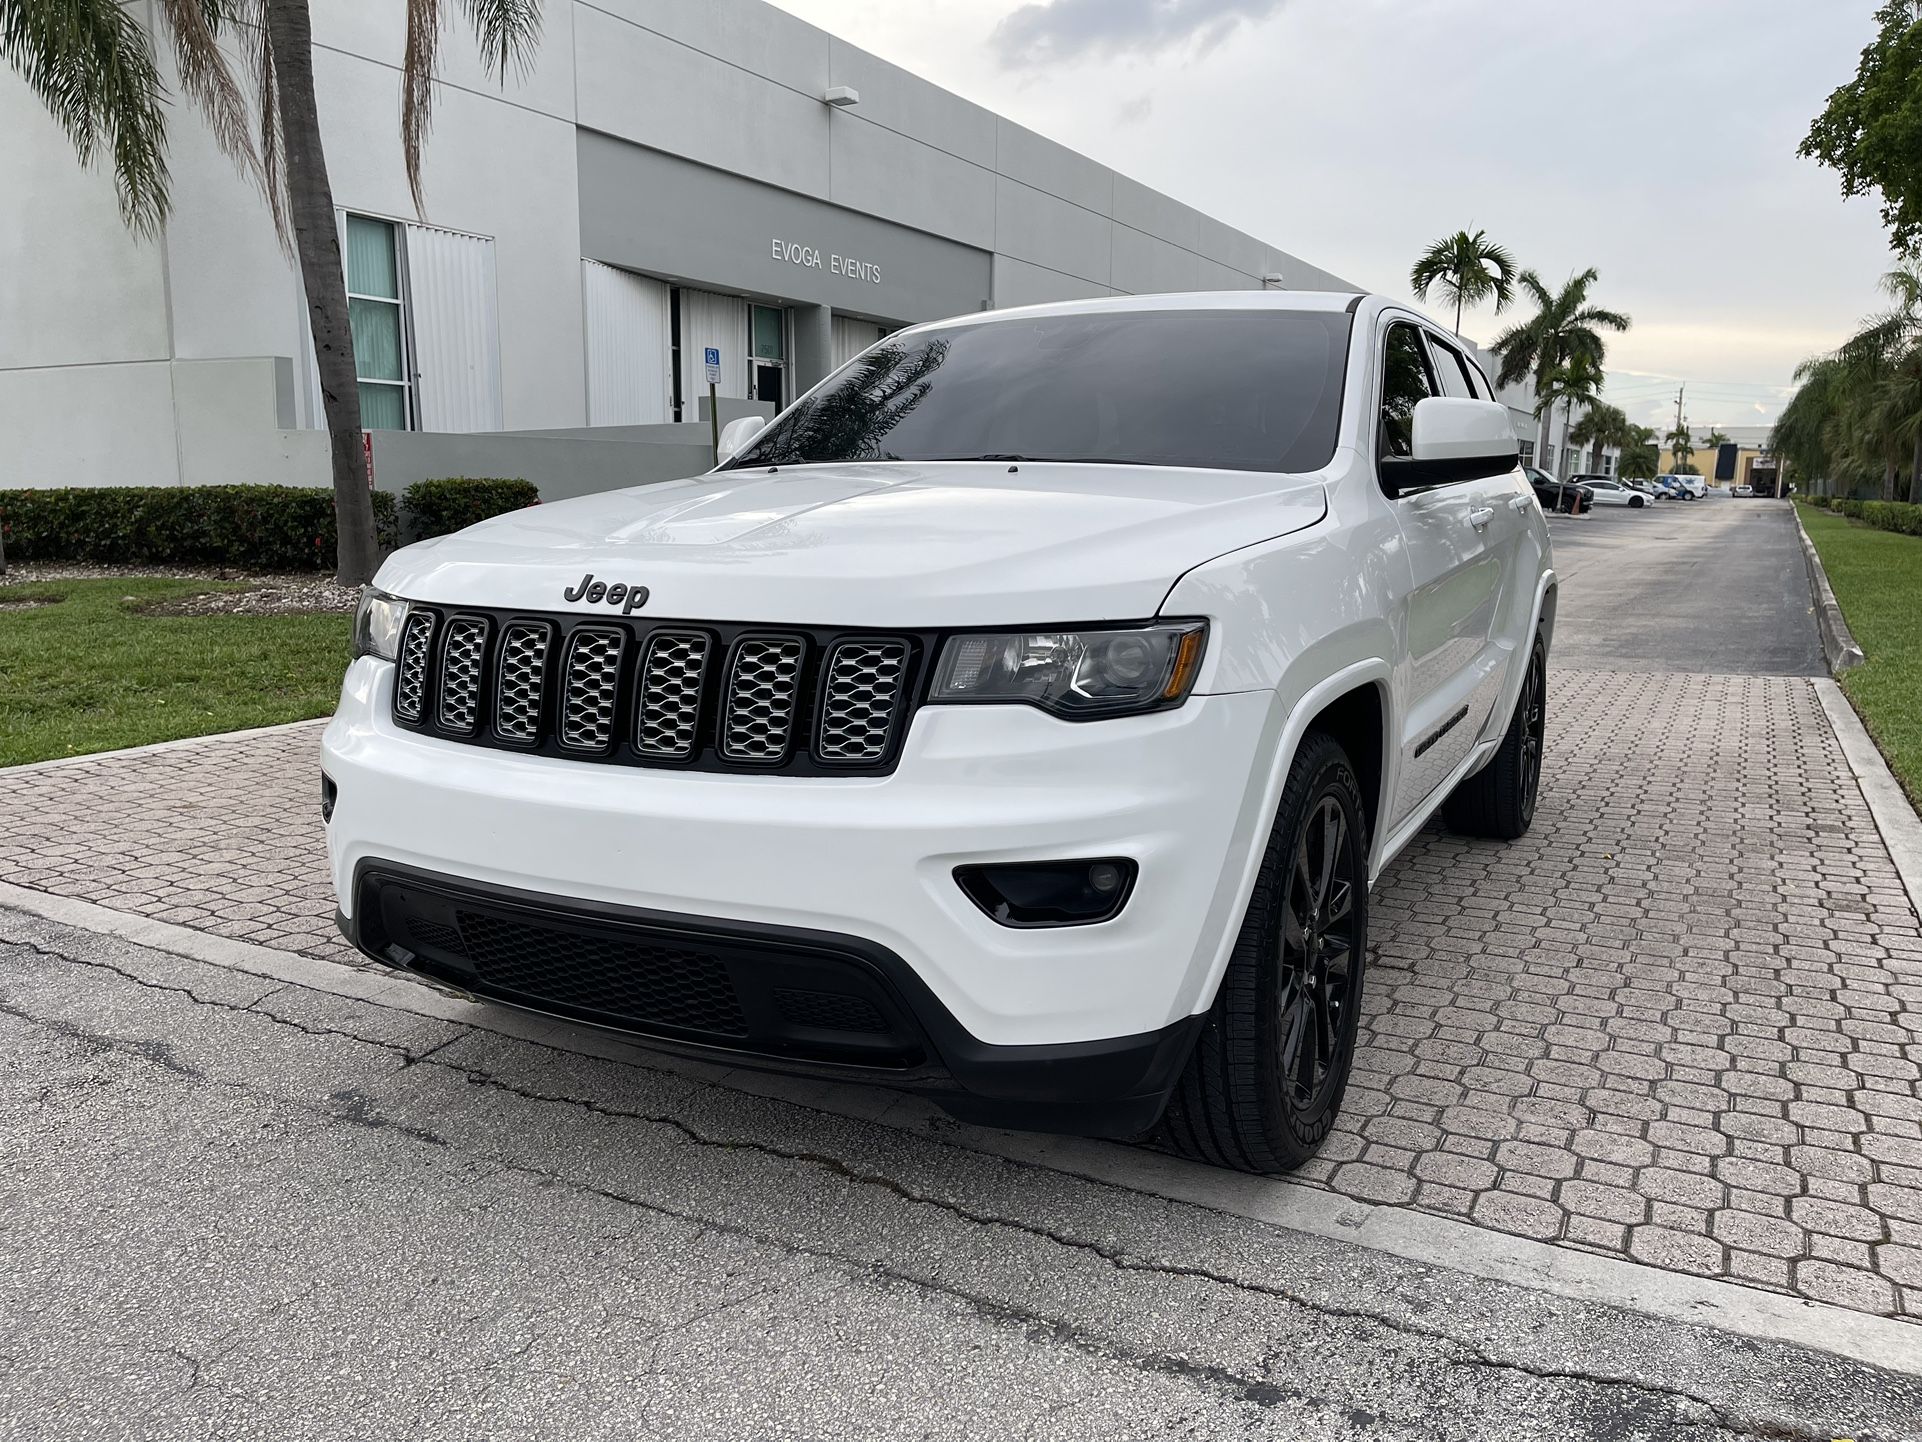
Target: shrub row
438, 508
1898, 516
253, 528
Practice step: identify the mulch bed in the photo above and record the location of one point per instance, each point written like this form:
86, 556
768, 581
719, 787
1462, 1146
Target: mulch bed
264, 595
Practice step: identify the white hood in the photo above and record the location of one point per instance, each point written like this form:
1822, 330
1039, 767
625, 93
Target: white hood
897, 545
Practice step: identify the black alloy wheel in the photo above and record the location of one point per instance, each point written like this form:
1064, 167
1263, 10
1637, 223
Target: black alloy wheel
1318, 943
1264, 1083
1499, 800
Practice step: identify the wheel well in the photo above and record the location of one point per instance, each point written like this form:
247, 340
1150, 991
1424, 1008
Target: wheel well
1355, 720
1547, 622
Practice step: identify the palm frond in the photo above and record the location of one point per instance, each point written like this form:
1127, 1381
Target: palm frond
509, 31
270, 147
417, 89
205, 77
92, 65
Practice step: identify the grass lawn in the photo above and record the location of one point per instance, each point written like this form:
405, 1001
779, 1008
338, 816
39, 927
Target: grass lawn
1877, 576
88, 673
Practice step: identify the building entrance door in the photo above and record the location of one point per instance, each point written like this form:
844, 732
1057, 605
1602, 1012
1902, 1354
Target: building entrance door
767, 348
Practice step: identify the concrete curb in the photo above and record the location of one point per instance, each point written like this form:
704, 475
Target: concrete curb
1419, 1237
183, 743
1901, 828
1837, 644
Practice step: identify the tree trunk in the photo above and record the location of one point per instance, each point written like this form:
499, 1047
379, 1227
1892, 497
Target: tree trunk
1546, 423
317, 245
1888, 480
1915, 479
1458, 312
1595, 457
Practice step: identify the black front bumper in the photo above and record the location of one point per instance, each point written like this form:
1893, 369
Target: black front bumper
773, 997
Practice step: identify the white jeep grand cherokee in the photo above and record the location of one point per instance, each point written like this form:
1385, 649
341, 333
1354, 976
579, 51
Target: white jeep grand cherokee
1020, 718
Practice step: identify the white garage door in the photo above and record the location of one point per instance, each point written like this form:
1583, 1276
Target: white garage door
851, 337
629, 340
450, 288
712, 320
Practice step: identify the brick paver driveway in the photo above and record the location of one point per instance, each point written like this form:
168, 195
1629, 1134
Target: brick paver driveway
1681, 1021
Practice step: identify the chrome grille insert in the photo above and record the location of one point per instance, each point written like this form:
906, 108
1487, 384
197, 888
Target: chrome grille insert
410, 677
757, 719
462, 649
590, 688
672, 676
522, 680
860, 694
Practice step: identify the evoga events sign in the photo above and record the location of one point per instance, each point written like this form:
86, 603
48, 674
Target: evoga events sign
795, 253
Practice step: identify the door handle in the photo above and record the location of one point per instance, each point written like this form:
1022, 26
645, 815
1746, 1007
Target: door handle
1520, 503
1481, 516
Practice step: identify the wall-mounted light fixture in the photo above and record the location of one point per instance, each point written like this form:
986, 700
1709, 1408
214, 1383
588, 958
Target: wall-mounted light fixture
842, 96
1274, 280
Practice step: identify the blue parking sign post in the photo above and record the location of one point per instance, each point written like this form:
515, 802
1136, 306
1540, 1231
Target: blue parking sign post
713, 397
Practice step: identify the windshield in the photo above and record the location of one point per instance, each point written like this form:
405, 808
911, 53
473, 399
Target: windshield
1233, 390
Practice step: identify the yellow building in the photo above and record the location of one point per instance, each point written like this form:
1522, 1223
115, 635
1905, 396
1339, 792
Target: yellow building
1744, 461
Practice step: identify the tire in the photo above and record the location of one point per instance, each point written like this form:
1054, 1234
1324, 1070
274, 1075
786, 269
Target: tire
1638, 503
1265, 1080
1499, 800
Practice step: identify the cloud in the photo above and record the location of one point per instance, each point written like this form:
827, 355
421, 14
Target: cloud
1045, 31
1133, 112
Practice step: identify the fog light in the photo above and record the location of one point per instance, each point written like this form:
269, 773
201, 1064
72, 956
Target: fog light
1049, 893
328, 793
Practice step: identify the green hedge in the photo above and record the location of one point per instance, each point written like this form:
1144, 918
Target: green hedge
259, 528
435, 508
251, 528
1898, 516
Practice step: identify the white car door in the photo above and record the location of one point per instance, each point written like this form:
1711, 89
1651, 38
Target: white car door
1460, 542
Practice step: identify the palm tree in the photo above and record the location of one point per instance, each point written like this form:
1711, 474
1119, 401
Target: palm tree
1466, 269
1577, 383
1601, 426
1681, 446
1565, 325
92, 65
1639, 456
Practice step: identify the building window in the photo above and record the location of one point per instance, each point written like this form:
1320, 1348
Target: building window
378, 314
1527, 452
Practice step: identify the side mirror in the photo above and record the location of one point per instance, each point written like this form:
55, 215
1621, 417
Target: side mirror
1453, 439
736, 434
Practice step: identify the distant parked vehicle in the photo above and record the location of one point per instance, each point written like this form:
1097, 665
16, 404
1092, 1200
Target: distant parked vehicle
1691, 487
1644, 485
1555, 495
1607, 492
1743, 491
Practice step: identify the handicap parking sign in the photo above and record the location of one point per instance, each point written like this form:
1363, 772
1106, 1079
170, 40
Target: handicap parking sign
713, 365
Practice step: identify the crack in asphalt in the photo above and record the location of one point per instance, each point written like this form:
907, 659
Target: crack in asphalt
353, 1107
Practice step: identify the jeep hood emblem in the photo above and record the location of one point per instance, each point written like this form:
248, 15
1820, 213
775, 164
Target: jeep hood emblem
628, 598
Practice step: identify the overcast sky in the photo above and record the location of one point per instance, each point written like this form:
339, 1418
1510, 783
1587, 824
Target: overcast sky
1652, 139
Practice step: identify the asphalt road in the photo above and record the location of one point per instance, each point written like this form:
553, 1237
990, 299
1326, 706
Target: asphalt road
1695, 586
235, 1208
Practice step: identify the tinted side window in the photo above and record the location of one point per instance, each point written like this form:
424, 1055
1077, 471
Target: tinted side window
1449, 370
1404, 383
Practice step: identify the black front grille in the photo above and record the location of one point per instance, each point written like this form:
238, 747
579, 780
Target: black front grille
768, 993
634, 981
700, 696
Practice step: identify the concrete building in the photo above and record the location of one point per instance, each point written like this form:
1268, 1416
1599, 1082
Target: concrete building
672, 176
1743, 459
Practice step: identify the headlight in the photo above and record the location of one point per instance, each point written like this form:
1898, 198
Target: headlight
377, 624
1079, 675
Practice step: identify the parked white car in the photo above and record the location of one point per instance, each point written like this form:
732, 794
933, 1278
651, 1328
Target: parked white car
1614, 493
1021, 718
